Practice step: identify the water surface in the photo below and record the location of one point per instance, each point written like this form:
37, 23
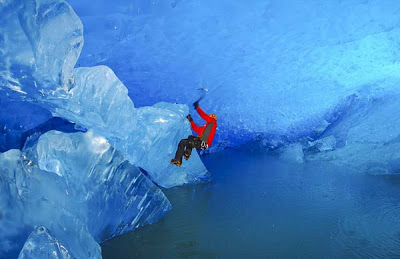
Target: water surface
258, 206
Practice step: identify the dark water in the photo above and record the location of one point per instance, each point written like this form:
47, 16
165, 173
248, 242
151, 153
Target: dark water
258, 206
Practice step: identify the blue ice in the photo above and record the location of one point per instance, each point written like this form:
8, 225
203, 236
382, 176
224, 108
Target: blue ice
42, 244
92, 97
77, 186
319, 77
147, 136
312, 80
83, 187
278, 70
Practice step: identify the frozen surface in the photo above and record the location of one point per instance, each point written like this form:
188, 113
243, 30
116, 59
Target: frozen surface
17, 117
147, 136
319, 77
274, 68
19, 120
42, 244
364, 134
40, 43
323, 144
92, 97
83, 187
119, 198
319, 80
367, 134
78, 187
292, 153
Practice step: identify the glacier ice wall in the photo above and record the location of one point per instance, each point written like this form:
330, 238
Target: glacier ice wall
363, 134
77, 186
366, 135
275, 69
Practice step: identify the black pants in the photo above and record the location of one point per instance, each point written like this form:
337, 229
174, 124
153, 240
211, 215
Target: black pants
186, 145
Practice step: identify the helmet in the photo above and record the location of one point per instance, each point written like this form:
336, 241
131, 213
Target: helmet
214, 116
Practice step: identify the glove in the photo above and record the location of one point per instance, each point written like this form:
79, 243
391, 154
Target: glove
196, 104
189, 117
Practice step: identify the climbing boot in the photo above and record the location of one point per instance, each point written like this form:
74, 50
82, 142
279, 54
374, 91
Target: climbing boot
176, 162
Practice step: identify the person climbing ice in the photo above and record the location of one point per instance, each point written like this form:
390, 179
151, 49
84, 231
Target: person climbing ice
202, 141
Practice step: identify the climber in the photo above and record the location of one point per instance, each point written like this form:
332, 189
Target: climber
202, 141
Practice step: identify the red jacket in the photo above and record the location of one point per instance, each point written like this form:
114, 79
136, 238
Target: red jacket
199, 130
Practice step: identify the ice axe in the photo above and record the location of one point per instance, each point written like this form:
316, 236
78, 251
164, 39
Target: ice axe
202, 95
204, 91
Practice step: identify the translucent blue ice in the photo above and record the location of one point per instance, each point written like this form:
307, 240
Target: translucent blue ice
323, 144
42, 244
83, 187
77, 186
17, 117
367, 133
273, 68
147, 136
320, 78
40, 43
92, 97
292, 153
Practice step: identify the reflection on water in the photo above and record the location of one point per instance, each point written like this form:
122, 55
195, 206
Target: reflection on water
260, 207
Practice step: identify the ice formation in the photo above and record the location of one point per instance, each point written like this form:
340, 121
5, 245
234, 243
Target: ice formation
14, 123
42, 244
147, 136
79, 187
292, 153
91, 97
90, 161
323, 76
315, 79
275, 69
367, 134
